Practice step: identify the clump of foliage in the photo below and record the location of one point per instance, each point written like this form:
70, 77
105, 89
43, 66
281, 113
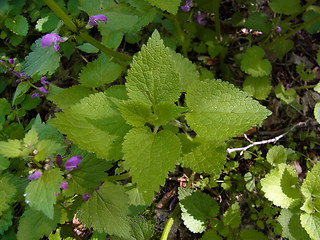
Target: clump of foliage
101, 100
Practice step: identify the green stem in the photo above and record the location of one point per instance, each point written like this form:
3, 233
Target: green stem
118, 57
292, 32
216, 6
304, 87
302, 9
168, 226
118, 177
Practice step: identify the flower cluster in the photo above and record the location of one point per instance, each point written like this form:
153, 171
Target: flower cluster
42, 89
10, 65
187, 7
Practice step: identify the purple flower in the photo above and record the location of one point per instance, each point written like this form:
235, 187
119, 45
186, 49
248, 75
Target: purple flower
200, 17
278, 29
48, 39
37, 174
73, 163
56, 193
11, 61
187, 7
43, 90
95, 18
44, 82
58, 159
86, 196
38, 95
64, 185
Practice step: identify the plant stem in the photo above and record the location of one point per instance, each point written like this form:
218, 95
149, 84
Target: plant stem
302, 9
168, 226
216, 6
304, 87
118, 57
118, 177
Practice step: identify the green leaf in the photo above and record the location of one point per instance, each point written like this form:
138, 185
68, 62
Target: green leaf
40, 193
286, 96
7, 191
18, 25
99, 72
277, 155
311, 223
253, 63
150, 156
218, 110
282, 48
136, 114
317, 87
35, 224
258, 21
6, 221
47, 23
287, 7
22, 88
94, 124
311, 185
318, 61
5, 107
165, 112
312, 12
209, 157
279, 186
197, 208
252, 234
317, 111
152, 78
170, 6
107, 210
289, 220
66, 97
46, 148
11, 148
232, 217
4, 162
41, 61
88, 48
257, 87
250, 181
89, 176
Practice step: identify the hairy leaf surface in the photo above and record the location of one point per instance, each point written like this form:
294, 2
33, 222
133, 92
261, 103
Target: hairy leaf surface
311, 223
7, 193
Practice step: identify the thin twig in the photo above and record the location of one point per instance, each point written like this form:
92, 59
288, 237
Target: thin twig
272, 140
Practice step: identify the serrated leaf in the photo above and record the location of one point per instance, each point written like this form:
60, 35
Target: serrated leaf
311, 223
31, 138
35, 224
311, 186
291, 226
286, 96
88, 48
99, 72
136, 114
252, 234
232, 217
317, 87
317, 111
22, 88
285, 6
165, 112
197, 208
137, 203
6, 220
7, 191
11, 148
47, 23
258, 21
18, 25
41, 61
4, 162
152, 78
94, 124
89, 176
46, 148
277, 190
277, 155
170, 6
40, 193
220, 111
150, 156
66, 97
107, 210
209, 157
282, 48
257, 87
211, 235
253, 63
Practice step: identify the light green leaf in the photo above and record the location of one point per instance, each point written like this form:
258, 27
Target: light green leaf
11, 148
40, 193
317, 87
279, 186
152, 78
209, 157
18, 25
165, 112
22, 88
46, 148
218, 110
311, 223
250, 181
41, 61
197, 208
136, 114
4, 162
7, 191
107, 210
99, 72
311, 186
252, 234
35, 224
47, 23
277, 155
170, 6
285, 6
286, 96
67, 97
88, 48
232, 217
289, 220
6, 221
150, 156
257, 87
253, 63
94, 124
31, 138
317, 111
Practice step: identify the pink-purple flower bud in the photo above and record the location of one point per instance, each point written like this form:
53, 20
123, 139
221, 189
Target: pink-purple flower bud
58, 159
11, 61
86, 196
200, 17
278, 29
72, 163
38, 95
44, 82
94, 19
48, 39
187, 7
43, 90
37, 174
64, 185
